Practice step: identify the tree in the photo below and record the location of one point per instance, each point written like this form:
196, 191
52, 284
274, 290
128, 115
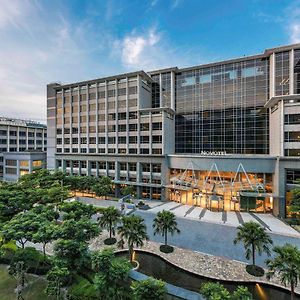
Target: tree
22, 227
110, 218
81, 230
111, 274
150, 289
286, 263
254, 238
56, 278
71, 254
214, 291
100, 190
164, 223
295, 204
134, 231
76, 210
47, 212
46, 233
18, 270
241, 293
127, 190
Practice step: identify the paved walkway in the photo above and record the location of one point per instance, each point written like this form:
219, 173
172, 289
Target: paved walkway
231, 218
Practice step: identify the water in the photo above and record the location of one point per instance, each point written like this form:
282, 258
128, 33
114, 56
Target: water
153, 265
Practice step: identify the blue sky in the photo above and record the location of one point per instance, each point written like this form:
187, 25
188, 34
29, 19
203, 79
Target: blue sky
72, 40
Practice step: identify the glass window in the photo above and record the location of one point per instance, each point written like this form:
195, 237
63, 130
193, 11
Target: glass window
24, 163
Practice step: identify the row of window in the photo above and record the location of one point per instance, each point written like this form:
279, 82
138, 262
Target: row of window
292, 136
22, 133
102, 165
156, 139
112, 128
291, 119
155, 151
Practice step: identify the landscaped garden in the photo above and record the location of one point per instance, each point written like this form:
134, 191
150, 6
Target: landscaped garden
42, 233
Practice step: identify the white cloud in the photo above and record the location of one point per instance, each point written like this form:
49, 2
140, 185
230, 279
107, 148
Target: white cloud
175, 4
134, 47
295, 33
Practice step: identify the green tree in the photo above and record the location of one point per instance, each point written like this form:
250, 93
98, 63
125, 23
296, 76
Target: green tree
133, 230
150, 289
71, 254
81, 230
127, 190
286, 263
254, 238
100, 190
22, 227
214, 291
111, 274
56, 278
109, 219
164, 223
241, 293
46, 233
47, 212
76, 210
295, 204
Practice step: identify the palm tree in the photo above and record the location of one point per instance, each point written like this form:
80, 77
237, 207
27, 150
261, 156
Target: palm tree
110, 218
286, 263
254, 238
164, 223
134, 231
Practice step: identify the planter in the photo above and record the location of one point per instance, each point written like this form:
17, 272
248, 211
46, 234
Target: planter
110, 241
166, 249
255, 270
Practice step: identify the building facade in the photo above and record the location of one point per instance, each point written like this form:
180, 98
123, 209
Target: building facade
22, 147
224, 135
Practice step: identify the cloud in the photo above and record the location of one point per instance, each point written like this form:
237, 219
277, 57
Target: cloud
175, 4
295, 33
137, 48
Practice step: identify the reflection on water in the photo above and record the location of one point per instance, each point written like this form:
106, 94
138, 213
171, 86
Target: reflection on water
156, 267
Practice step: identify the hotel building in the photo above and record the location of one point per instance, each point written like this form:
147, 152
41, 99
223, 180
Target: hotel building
22, 147
223, 135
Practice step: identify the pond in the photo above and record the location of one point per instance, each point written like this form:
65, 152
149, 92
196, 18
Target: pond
155, 266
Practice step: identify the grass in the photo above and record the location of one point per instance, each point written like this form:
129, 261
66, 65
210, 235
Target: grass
34, 290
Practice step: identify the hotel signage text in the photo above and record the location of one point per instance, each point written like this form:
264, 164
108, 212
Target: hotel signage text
213, 153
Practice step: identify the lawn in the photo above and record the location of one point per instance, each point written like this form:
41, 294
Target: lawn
34, 291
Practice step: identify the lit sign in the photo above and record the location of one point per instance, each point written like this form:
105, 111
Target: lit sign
213, 153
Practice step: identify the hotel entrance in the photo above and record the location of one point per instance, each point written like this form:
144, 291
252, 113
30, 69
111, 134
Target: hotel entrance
222, 191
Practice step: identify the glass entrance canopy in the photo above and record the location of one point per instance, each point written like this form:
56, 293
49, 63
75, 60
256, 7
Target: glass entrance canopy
220, 190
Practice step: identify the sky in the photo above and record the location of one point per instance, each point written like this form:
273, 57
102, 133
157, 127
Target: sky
74, 40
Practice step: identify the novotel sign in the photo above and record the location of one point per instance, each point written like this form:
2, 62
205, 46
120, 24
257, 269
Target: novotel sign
213, 153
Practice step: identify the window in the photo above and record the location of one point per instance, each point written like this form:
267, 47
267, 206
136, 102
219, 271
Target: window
156, 168
67, 130
292, 136
75, 163
123, 166
101, 117
83, 164
122, 92
101, 140
132, 115
67, 140
111, 140
102, 165
111, 165
144, 127
59, 131
74, 130
92, 95
157, 126
14, 133
122, 127
83, 150
11, 171
293, 176
83, 140
74, 140
82, 129
132, 102
292, 152
92, 129
132, 127
92, 150
144, 151
122, 116
122, 139
92, 140
132, 90
144, 139
132, 140
111, 128
92, 118
82, 119
37, 163
11, 162
132, 167
292, 119
93, 164
156, 139
145, 167
122, 151
111, 116
132, 151
111, 93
